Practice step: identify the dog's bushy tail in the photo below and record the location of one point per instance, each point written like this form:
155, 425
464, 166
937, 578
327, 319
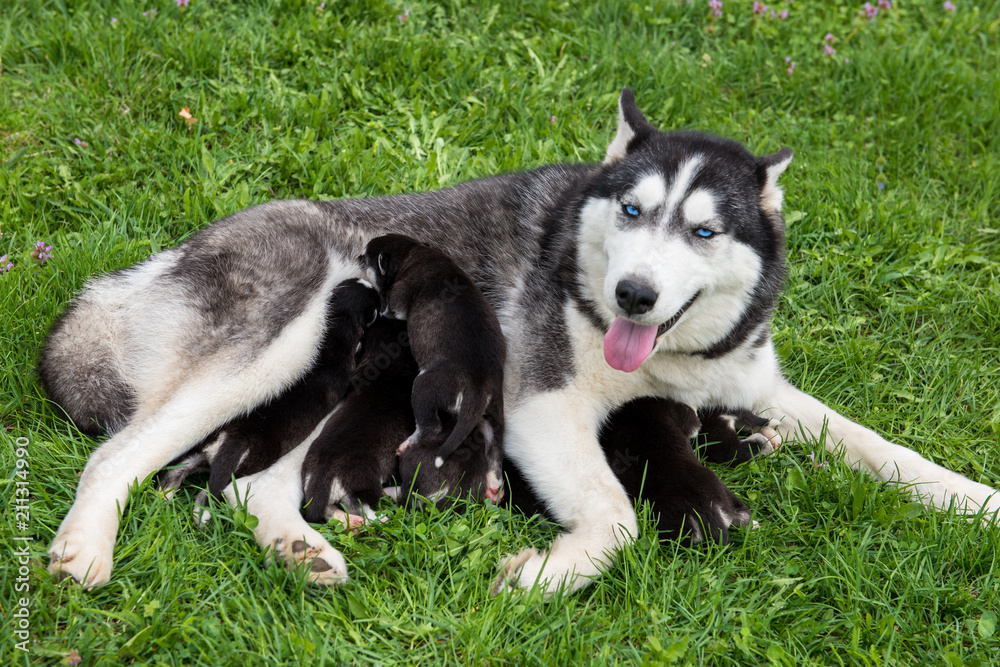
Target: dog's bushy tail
81, 373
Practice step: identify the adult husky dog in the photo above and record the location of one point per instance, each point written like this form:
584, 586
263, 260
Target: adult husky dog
653, 273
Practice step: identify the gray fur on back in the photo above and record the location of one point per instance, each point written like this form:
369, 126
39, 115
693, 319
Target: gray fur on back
234, 286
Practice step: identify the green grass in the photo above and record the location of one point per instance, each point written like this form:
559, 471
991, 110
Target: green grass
891, 313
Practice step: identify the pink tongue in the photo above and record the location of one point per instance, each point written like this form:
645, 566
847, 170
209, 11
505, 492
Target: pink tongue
626, 345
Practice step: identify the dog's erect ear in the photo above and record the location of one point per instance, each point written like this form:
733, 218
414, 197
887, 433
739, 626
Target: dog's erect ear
631, 125
769, 168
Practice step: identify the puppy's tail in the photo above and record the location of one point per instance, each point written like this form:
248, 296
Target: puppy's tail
469, 416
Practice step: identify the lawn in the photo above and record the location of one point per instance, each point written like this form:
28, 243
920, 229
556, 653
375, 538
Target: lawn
127, 126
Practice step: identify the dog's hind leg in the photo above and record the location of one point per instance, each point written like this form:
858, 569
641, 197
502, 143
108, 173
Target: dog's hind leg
84, 545
433, 392
275, 497
800, 415
219, 389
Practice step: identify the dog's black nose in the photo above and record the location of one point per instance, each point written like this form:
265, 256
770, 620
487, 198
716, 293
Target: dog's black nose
635, 298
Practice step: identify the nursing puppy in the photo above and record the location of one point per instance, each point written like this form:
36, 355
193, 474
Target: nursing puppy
648, 446
473, 471
454, 334
249, 444
355, 453
647, 443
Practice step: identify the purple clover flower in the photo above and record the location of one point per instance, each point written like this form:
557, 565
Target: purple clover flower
948, 7
791, 65
783, 14
828, 37
869, 11
812, 459
828, 50
182, 3
113, 20
716, 7
41, 252
759, 7
405, 16
885, 4
5, 266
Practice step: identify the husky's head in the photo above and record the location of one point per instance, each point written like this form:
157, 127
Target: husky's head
682, 241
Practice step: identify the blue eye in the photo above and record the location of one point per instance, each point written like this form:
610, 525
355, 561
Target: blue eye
704, 233
631, 210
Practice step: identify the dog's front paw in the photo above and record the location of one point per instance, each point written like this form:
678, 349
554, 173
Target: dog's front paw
86, 561
511, 570
326, 565
570, 563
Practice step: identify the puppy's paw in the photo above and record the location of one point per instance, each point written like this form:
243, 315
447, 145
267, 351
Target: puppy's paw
702, 510
351, 522
406, 444
736, 436
770, 433
714, 523
202, 515
78, 556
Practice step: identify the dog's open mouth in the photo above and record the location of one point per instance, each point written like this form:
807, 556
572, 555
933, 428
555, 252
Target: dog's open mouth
669, 324
627, 344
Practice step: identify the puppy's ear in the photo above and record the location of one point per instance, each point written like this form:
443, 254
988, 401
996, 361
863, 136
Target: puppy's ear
769, 168
384, 263
632, 128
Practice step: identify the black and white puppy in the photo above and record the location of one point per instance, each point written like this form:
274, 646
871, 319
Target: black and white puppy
647, 443
454, 334
355, 453
473, 471
252, 443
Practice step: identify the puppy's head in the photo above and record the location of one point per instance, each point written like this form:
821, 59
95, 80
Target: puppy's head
473, 471
355, 301
383, 257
